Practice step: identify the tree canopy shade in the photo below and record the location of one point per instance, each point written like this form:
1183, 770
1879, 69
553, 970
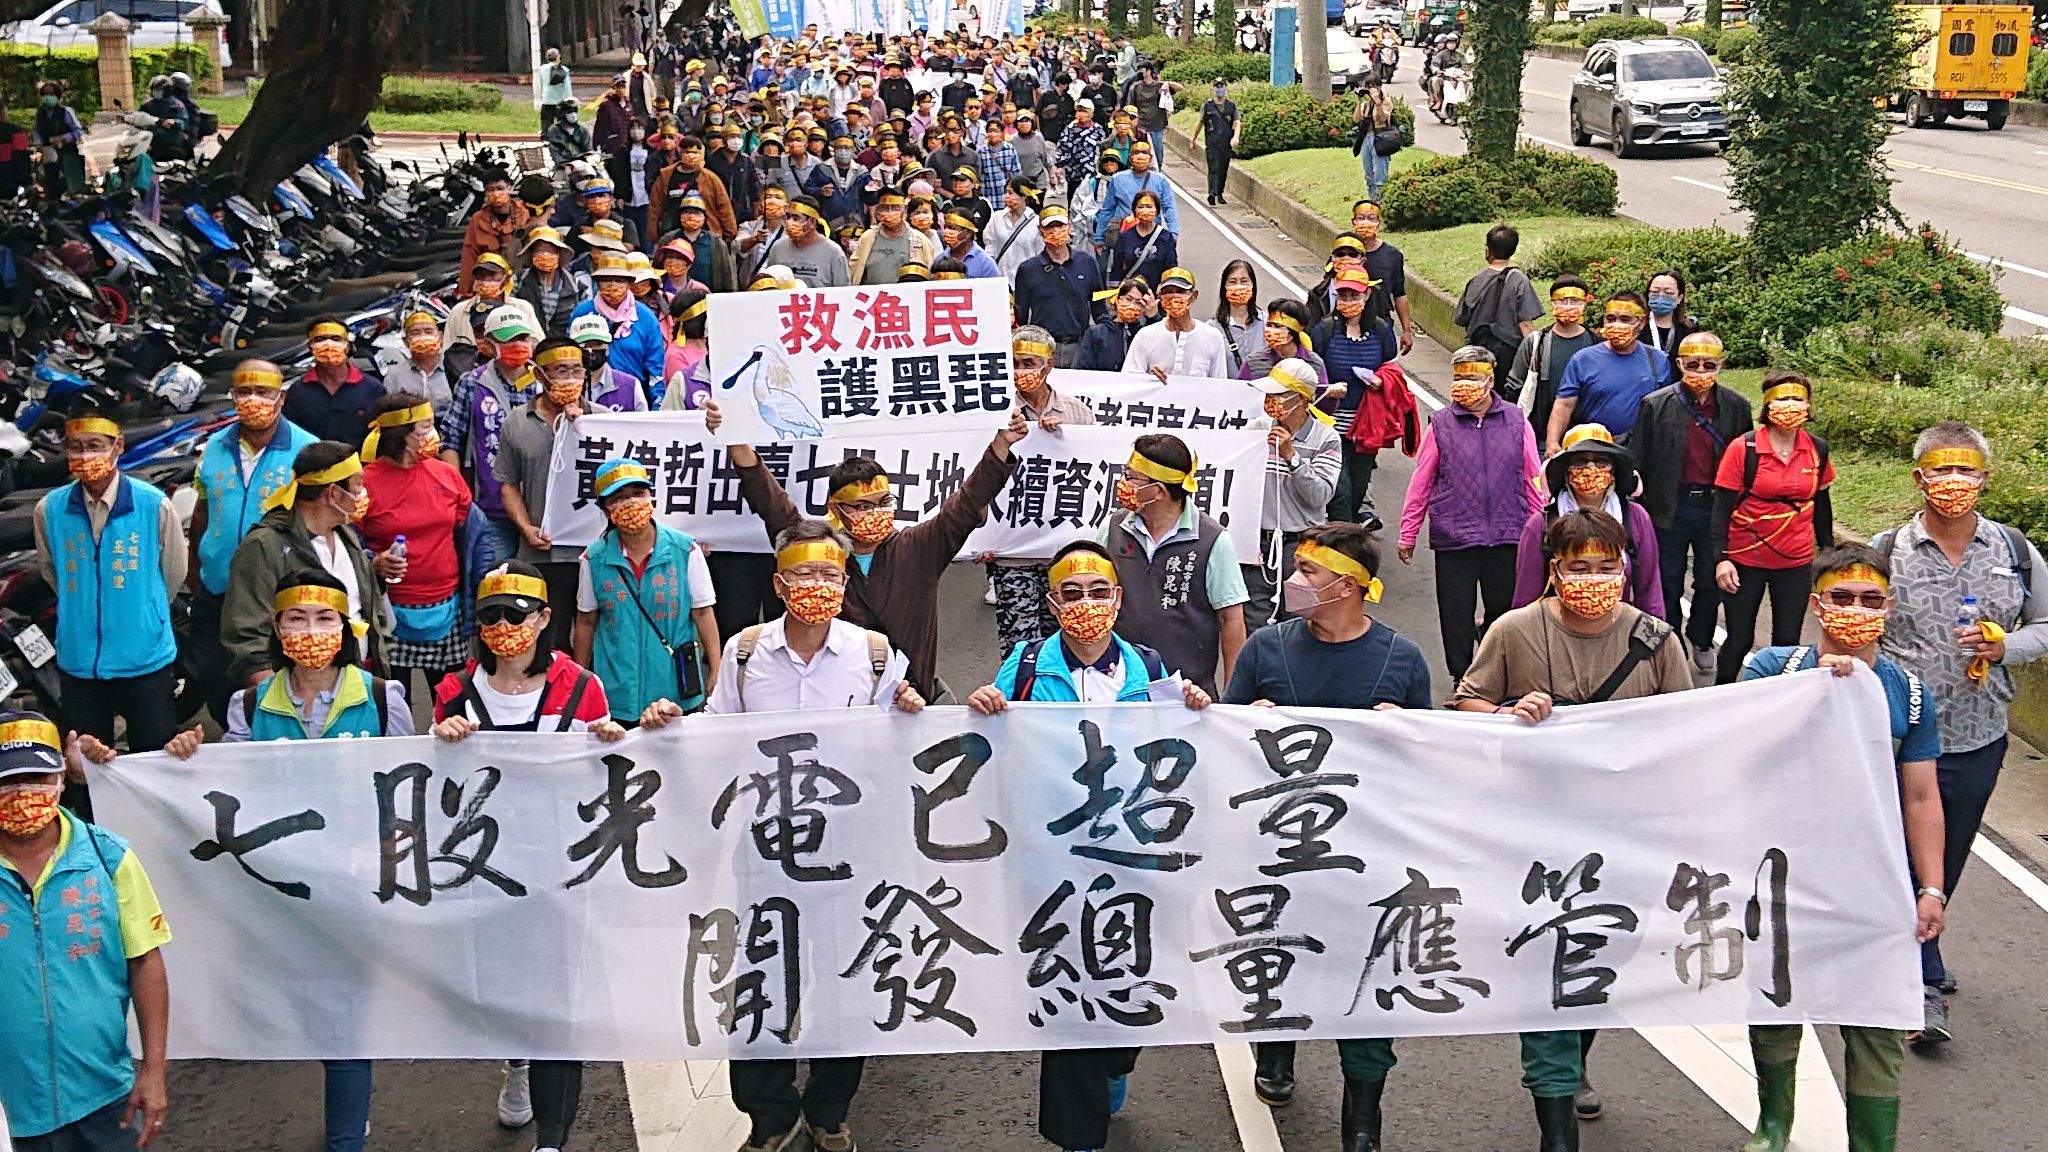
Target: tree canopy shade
327, 65
1804, 158
1500, 34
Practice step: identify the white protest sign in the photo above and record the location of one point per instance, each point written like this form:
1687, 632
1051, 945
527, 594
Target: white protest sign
1057, 876
1140, 400
829, 362
1064, 486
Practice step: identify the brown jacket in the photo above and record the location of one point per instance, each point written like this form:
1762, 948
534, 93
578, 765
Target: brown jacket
488, 233
675, 182
898, 595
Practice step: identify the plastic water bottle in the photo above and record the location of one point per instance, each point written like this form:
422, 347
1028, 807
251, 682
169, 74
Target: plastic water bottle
1968, 615
398, 549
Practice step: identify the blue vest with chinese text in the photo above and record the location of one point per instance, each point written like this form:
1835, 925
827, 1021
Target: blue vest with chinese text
113, 611
233, 505
630, 660
64, 987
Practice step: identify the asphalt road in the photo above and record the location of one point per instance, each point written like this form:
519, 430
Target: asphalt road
1665, 1090
1987, 190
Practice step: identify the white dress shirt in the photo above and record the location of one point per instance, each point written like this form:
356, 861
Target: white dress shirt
839, 674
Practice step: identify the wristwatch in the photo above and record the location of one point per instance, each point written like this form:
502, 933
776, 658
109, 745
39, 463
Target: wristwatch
1938, 894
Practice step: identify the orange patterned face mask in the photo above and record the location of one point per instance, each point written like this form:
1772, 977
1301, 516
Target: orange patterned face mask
1591, 594
872, 526
1789, 414
27, 811
330, 353
1953, 495
1852, 627
632, 515
258, 412
311, 649
1088, 620
91, 468
1242, 294
1590, 482
813, 603
506, 639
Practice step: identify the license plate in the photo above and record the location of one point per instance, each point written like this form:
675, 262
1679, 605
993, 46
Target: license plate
1692, 130
7, 682
1976, 105
34, 646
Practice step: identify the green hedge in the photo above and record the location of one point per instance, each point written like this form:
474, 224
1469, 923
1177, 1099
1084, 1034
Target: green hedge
1879, 278
1619, 28
1289, 119
1559, 33
1453, 190
23, 66
411, 94
2037, 76
1734, 45
1198, 69
1164, 49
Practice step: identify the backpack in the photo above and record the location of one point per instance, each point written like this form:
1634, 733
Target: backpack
1749, 464
750, 638
1027, 668
1886, 543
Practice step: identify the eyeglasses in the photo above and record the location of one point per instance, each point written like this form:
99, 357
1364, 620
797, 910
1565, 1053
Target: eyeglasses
500, 614
1103, 594
1617, 318
1843, 598
878, 504
1590, 466
1699, 364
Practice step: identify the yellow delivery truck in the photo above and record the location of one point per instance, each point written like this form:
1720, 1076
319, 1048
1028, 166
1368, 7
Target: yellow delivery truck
1969, 60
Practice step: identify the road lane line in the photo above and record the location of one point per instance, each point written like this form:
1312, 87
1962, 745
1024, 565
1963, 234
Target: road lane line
1717, 1059
1972, 177
2030, 885
1546, 95
1255, 1127
2026, 317
1708, 185
1547, 142
2002, 262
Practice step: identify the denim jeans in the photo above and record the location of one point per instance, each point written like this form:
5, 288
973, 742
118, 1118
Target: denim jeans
99, 1131
504, 536
348, 1104
1354, 484
1158, 147
1967, 780
1377, 168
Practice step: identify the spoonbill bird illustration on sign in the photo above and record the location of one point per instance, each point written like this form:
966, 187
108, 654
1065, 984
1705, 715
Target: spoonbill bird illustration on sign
766, 375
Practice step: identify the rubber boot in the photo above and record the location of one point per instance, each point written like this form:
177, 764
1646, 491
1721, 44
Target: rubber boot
1559, 1124
1273, 1079
1774, 1096
1873, 1123
1362, 1114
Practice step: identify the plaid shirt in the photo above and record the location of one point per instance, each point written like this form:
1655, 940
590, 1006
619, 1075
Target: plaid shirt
453, 424
999, 166
1080, 146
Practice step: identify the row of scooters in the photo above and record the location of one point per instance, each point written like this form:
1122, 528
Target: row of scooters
147, 319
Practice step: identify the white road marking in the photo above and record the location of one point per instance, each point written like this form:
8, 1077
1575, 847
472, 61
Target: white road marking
2030, 885
1547, 142
683, 1106
2026, 317
1255, 1127
2002, 262
1717, 1059
1708, 185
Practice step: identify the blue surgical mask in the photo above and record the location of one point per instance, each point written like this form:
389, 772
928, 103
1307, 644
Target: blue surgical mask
1662, 304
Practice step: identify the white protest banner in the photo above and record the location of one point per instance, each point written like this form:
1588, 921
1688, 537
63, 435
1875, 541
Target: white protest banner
1140, 400
1057, 876
1064, 486
895, 358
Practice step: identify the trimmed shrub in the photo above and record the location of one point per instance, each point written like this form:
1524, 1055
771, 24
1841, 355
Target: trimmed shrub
1564, 33
1619, 28
1734, 45
1707, 38
1198, 69
1452, 190
410, 94
1162, 49
2037, 76
23, 66
1288, 119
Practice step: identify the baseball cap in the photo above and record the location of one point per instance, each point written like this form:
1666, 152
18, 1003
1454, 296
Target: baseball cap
508, 323
618, 473
590, 327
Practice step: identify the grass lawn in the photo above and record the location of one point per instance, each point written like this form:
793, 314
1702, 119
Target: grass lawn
1872, 491
1449, 256
1325, 179
511, 117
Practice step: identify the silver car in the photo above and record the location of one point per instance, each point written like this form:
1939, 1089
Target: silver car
1643, 93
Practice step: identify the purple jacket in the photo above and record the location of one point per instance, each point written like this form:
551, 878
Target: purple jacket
1481, 493
1645, 588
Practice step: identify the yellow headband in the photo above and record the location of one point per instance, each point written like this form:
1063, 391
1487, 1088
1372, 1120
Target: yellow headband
809, 552
1787, 390
1626, 307
1458, 366
325, 329
1858, 572
396, 418
27, 731
1591, 550
859, 489
512, 584
312, 596
914, 269
1950, 457
949, 275
288, 496
559, 355
1079, 563
421, 318
1287, 322
99, 424
1597, 433
1568, 293
959, 221
1342, 565
694, 310
1163, 474
803, 209
258, 378
1699, 344
1031, 348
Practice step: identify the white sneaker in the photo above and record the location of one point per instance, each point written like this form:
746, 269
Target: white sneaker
989, 597
515, 1098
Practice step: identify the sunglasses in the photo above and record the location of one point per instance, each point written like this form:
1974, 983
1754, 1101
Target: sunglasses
500, 614
1700, 364
1843, 598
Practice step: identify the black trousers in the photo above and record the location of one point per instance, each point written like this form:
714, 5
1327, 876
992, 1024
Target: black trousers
1466, 577
560, 577
745, 595
766, 1091
90, 707
1690, 533
1787, 587
1219, 168
1073, 1093
557, 1087
206, 659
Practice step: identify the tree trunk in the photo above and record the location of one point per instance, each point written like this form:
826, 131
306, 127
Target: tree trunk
1500, 34
1148, 17
1312, 32
1712, 16
307, 103
1119, 17
1550, 11
1226, 27
1187, 23
1628, 7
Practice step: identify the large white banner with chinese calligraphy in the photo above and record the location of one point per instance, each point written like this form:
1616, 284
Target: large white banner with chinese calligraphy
820, 362
856, 881
1063, 488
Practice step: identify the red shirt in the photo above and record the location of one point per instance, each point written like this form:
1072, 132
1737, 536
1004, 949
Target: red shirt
1702, 451
1773, 522
427, 504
